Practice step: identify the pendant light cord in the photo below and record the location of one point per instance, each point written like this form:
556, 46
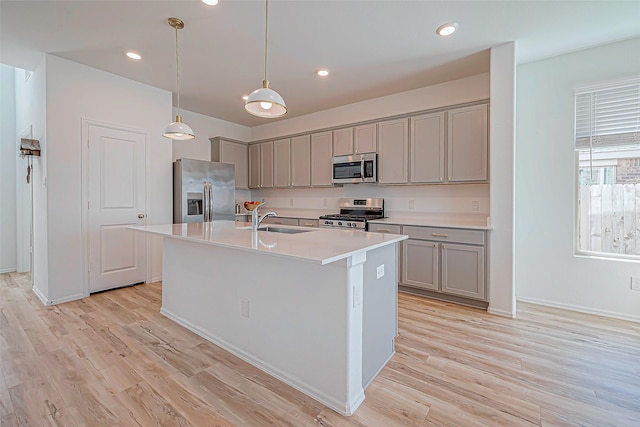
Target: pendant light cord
266, 39
177, 73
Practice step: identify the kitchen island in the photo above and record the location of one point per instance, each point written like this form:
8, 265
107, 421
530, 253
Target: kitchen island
316, 309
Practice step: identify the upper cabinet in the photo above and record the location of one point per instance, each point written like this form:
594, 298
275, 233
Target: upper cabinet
254, 166
343, 142
467, 144
321, 159
355, 140
301, 161
393, 151
365, 139
282, 163
235, 153
266, 164
427, 158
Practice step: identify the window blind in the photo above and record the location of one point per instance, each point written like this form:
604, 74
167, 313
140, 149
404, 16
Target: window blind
608, 115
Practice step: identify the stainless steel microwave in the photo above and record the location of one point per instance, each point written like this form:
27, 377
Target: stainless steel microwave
355, 169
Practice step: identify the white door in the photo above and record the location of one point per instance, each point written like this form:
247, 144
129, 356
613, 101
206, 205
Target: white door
116, 200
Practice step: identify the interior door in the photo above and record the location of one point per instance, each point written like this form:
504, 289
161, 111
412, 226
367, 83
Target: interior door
116, 200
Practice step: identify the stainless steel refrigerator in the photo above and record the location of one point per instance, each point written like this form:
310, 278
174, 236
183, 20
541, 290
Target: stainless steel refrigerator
203, 191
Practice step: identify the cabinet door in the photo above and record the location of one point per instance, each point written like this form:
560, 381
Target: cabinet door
266, 164
254, 166
321, 154
467, 144
343, 142
427, 148
463, 270
282, 163
365, 139
236, 154
393, 152
420, 263
301, 161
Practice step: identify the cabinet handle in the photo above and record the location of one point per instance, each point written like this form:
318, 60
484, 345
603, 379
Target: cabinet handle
383, 230
277, 222
439, 235
309, 224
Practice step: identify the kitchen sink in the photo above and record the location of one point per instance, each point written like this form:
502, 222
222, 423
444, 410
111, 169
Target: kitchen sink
272, 229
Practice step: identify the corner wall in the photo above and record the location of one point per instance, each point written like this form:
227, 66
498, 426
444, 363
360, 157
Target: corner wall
547, 270
76, 92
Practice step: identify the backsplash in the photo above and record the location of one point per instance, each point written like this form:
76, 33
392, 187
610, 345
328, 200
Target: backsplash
419, 199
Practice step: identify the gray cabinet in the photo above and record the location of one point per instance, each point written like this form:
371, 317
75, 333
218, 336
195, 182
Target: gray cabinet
266, 164
427, 148
467, 144
282, 163
445, 260
393, 152
280, 220
254, 166
235, 153
301, 161
321, 156
343, 142
365, 139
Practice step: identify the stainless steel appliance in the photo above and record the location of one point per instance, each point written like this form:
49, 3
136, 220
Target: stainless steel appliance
354, 213
355, 169
203, 191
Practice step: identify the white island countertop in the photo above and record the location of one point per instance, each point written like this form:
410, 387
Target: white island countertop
317, 245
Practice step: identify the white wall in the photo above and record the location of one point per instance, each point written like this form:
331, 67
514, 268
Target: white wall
8, 156
427, 199
205, 127
76, 92
31, 114
547, 271
502, 131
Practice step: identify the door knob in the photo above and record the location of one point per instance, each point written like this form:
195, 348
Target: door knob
140, 216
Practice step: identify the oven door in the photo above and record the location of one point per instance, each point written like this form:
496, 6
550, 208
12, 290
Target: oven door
354, 169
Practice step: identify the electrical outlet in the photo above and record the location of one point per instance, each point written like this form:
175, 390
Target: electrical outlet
244, 307
635, 283
475, 206
380, 271
412, 204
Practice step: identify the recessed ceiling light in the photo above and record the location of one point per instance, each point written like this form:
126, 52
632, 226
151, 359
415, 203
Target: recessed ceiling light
210, 2
245, 97
322, 72
133, 55
447, 29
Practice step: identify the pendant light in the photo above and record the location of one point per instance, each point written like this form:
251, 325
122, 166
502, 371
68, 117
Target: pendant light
266, 102
178, 130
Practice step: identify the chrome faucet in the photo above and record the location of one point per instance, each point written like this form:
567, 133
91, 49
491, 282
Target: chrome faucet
257, 219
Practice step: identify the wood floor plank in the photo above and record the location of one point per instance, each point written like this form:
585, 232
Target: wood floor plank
113, 359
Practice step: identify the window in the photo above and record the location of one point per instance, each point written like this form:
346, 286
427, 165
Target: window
607, 142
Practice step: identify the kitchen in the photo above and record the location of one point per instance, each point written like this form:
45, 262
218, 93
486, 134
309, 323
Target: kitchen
120, 102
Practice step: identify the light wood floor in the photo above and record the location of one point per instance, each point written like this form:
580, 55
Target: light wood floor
112, 359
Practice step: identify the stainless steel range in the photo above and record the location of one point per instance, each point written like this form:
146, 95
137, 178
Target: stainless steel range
354, 213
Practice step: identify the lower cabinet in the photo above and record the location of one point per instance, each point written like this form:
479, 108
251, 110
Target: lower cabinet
447, 261
278, 220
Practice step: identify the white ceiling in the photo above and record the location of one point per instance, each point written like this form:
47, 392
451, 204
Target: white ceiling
373, 48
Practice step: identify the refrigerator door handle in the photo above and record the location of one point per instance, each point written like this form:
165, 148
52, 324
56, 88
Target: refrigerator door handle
205, 202
210, 201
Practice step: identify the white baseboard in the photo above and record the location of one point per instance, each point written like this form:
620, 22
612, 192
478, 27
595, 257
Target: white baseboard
48, 302
7, 270
498, 312
580, 309
340, 407
155, 279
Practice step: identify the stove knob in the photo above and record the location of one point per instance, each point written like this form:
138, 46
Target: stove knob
353, 225
339, 222
348, 224
328, 222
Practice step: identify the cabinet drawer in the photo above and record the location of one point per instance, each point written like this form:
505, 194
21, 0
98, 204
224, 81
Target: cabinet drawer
280, 221
308, 223
474, 237
384, 228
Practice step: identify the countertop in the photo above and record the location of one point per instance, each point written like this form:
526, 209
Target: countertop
473, 222
317, 245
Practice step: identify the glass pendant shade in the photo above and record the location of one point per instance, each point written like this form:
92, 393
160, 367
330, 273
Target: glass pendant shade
265, 102
178, 130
